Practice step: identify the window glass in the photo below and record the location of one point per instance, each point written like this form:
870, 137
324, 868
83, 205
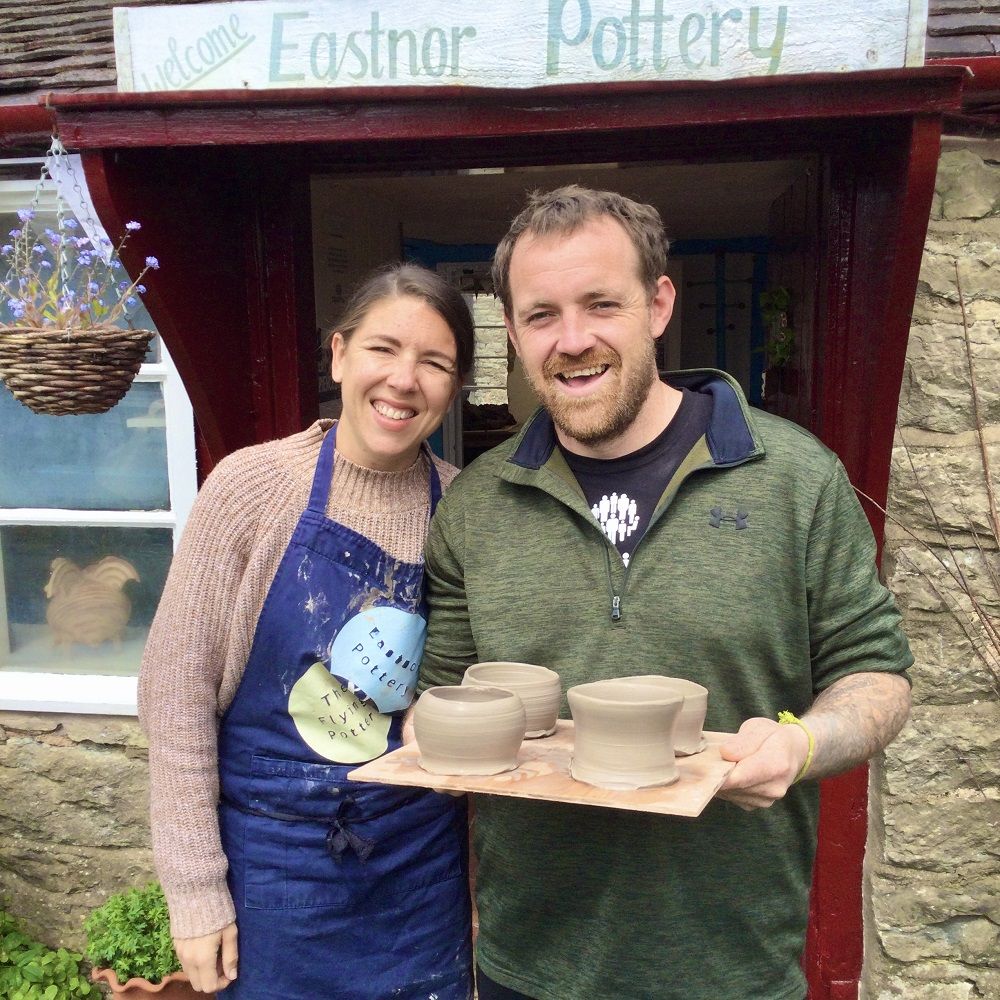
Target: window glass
95, 461
79, 599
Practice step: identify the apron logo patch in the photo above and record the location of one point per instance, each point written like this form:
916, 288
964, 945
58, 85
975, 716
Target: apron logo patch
377, 654
334, 722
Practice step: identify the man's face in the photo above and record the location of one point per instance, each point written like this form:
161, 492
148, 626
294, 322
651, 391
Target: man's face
585, 329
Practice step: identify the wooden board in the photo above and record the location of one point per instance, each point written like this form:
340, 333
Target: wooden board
543, 773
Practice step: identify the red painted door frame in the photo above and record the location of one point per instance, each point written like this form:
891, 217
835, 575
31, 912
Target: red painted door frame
234, 303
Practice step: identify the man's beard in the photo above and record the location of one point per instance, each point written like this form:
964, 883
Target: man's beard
608, 414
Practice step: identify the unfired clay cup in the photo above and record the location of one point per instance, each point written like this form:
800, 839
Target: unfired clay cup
624, 734
539, 689
688, 738
468, 730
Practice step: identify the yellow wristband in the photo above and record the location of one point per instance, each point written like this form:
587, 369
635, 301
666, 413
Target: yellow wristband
787, 719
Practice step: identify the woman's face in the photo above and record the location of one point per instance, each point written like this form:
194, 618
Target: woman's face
397, 375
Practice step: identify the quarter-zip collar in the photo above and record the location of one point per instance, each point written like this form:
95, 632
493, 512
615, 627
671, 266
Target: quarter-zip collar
731, 437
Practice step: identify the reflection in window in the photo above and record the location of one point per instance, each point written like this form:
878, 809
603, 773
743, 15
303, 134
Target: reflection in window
79, 598
98, 461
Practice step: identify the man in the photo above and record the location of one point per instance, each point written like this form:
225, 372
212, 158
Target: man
637, 526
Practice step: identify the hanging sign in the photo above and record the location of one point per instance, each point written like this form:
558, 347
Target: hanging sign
264, 45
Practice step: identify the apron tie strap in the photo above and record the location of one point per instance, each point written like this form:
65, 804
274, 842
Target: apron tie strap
340, 837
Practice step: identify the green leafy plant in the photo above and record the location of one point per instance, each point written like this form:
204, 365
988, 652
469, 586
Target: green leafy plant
775, 307
31, 971
130, 933
58, 278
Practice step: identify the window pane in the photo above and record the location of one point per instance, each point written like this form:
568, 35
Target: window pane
87, 614
94, 461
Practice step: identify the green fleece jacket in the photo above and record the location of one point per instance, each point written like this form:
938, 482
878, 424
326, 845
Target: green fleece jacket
756, 577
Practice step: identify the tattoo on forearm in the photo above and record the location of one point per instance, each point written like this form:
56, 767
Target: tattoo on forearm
855, 718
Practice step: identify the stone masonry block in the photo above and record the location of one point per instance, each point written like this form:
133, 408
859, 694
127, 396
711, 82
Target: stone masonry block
968, 187
946, 750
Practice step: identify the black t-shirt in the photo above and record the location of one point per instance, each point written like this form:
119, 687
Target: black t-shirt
623, 492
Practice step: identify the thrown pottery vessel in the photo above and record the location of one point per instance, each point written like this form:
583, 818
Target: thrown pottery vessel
688, 738
468, 730
624, 733
539, 689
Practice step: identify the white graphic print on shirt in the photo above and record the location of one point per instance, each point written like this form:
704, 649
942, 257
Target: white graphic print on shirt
618, 518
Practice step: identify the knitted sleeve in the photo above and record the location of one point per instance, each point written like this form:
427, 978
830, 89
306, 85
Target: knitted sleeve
179, 682
450, 645
853, 622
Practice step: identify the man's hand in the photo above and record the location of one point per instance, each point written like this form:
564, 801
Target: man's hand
209, 960
768, 757
851, 721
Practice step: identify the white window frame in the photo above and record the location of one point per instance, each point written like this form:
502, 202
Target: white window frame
99, 694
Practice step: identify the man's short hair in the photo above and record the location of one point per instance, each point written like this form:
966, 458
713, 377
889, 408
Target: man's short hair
565, 210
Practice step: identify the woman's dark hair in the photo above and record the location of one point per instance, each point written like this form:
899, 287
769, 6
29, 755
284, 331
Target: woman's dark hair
402, 280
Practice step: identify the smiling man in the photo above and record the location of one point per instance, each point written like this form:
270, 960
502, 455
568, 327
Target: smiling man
645, 526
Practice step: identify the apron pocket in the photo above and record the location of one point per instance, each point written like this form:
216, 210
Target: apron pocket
309, 827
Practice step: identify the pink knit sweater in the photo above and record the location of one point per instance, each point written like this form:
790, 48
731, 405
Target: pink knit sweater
200, 639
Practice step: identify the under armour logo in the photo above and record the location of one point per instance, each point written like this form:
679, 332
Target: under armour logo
716, 516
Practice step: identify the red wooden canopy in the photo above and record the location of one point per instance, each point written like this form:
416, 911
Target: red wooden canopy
220, 181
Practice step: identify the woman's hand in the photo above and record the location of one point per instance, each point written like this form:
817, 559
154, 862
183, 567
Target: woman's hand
209, 960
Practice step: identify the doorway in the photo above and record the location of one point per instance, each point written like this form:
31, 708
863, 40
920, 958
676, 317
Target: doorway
728, 225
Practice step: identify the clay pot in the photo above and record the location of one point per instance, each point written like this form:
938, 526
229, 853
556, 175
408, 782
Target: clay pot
688, 737
539, 689
468, 729
176, 986
624, 733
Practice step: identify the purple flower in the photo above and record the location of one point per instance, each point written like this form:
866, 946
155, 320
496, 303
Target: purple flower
133, 226
14, 233
24, 214
140, 289
16, 307
70, 224
47, 264
116, 265
131, 301
81, 241
122, 285
152, 262
92, 286
84, 307
7, 248
38, 248
85, 259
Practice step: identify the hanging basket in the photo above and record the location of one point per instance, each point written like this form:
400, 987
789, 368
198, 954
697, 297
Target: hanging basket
61, 372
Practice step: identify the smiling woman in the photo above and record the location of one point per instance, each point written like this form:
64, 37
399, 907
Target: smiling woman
397, 375
294, 613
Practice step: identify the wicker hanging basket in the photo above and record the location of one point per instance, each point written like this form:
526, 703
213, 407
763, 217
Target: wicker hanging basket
57, 371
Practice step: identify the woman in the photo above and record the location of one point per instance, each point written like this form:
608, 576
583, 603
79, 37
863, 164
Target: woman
283, 654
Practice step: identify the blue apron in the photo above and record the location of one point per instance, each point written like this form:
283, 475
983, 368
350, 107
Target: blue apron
342, 889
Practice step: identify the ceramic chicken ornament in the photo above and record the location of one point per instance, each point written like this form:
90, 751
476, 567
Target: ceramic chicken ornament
89, 606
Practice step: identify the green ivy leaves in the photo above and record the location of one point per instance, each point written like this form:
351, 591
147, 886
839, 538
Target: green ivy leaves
31, 971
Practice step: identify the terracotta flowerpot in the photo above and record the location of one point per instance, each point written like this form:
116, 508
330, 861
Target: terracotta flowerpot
176, 986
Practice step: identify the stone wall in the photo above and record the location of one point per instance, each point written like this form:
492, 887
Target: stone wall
933, 890
73, 817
